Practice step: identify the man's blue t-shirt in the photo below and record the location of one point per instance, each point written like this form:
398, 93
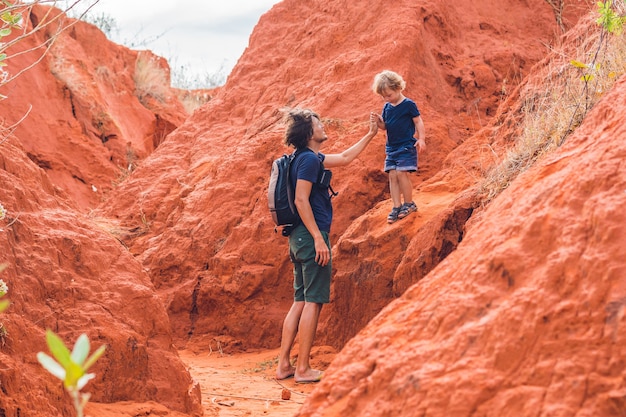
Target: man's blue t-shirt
399, 124
307, 166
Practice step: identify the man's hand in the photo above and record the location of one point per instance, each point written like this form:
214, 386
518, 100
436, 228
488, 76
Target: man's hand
373, 123
379, 120
322, 252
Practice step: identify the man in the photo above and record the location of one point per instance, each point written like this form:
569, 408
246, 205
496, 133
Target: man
309, 246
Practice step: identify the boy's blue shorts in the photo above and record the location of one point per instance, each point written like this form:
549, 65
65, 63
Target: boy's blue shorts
402, 159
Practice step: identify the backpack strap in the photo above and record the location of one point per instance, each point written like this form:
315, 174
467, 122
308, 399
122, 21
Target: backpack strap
333, 193
291, 191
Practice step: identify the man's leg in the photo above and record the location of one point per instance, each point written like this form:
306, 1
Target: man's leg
290, 329
308, 327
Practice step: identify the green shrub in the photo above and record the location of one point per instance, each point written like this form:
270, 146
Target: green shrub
71, 367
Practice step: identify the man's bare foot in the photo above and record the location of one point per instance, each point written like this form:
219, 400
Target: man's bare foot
284, 374
312, 375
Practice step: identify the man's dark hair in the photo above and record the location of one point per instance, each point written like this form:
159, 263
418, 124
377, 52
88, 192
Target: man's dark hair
299, 127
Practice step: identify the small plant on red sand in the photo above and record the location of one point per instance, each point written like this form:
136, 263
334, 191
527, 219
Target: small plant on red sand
71, 368
9, 19
611, 22
4, 304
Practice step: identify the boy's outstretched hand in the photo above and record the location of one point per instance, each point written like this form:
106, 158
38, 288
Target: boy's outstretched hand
379, 120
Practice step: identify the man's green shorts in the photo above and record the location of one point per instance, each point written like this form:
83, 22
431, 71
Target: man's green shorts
311, 281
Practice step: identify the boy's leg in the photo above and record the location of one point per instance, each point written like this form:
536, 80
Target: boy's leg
407, 163
405, 186
394, 188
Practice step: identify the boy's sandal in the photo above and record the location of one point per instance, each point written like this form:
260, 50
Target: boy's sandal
393, 216
406, 209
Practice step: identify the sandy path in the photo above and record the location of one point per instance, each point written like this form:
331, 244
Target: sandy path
243, 384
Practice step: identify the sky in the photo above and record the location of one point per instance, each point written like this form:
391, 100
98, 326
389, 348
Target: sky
204, 36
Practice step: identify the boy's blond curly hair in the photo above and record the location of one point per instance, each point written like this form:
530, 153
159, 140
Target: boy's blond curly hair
388, 79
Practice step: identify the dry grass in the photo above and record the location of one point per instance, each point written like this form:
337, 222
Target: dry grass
151, 80
132, 162
193, 99
119, 232
4, 335
556, 100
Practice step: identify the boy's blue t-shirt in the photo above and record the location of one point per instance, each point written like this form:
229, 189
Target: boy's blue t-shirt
399, 124
307, 166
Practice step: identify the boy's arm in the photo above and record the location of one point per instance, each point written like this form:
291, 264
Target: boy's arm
301, 200
421, 133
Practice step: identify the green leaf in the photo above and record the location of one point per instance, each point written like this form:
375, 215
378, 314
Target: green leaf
93, 358
5, 32
6, 17
17, 20
13, 20
80, 384
81, 350
51, 366
74, 373
609, 20
4, 304
58, 349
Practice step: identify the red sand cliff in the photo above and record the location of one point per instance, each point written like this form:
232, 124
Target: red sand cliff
517, 312
526, 317
210, 249
66, 271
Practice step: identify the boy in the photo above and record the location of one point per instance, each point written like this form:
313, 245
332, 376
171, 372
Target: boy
401, 119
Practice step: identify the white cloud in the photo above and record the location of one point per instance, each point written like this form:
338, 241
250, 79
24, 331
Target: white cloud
203, 35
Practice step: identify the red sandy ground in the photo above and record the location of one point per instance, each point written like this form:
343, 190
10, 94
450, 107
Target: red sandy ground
244, 384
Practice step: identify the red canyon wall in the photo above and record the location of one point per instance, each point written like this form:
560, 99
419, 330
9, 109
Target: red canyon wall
526, 317
210, 248
66, 270
84, 126
182, 253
